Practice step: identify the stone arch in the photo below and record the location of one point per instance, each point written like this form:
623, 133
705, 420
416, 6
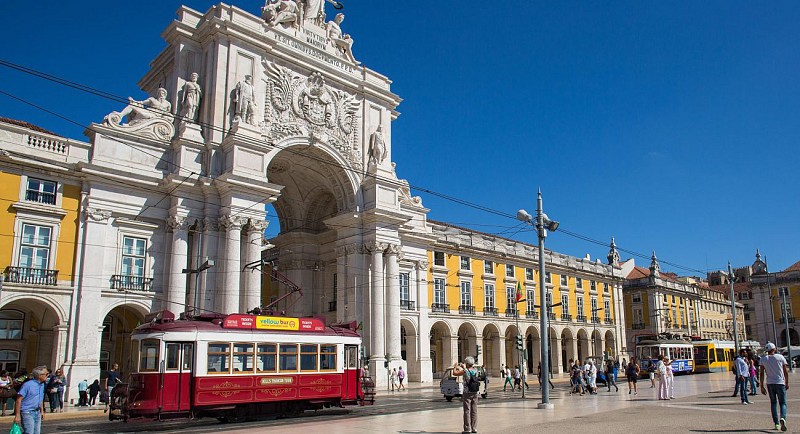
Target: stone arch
583, 345
794, 338
532, 348
597, 346
611, 344
554, 350
511, 354
115, 343
441, 343
491, 348
43, 331
409, 347
568, 347
467, 336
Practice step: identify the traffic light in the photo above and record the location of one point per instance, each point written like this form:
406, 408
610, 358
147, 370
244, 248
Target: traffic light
477, 350
519, 342
386, 360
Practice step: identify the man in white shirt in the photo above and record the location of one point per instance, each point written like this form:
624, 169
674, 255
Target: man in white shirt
742, 373
777, 383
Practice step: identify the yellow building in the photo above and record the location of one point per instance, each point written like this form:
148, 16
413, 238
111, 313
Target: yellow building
773, 299
472, 282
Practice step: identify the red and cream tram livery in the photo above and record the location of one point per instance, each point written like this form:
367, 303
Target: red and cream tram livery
239, 366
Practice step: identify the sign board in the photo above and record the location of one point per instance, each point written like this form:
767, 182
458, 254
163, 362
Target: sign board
280, 323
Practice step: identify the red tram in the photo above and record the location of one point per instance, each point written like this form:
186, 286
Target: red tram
237, 367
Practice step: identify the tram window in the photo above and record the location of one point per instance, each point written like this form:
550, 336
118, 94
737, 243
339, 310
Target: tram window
288, 358
327, 357
149, 356
267, 353
308, 357
352, 357
242, 358
188, 356
173, 356
219, 357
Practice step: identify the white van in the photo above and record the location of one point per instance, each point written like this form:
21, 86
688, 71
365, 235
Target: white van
451, 385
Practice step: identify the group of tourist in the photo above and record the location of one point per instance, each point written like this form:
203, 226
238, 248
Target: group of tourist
53, 388
513, 377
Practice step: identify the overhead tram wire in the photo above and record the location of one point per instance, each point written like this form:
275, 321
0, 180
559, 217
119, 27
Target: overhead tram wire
107, 95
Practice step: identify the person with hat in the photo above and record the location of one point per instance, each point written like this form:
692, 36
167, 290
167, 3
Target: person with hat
776, 369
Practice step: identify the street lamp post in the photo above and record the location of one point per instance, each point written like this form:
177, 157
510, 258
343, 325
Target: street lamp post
771, 302
784, 292
594, 329
733, 309
542, 224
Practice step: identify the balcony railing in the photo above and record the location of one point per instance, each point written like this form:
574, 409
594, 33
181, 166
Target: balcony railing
137, 283
580, 318
610, 321
440, 307
331, 306
466, 310
638, 326
407, 305
489, 311
31, 276
511, 313
551, 316
566, 317
596, 320
533, 314
40, 197
783, 320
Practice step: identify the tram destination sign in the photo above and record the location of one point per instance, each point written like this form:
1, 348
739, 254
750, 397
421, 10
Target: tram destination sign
282, 323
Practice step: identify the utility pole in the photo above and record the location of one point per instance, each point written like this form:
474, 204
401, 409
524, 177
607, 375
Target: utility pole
733, 309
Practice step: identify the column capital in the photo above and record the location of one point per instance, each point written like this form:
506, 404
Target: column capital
208, 224
394, 249
228, 223
256, 225
177, 223
375, 247
97, 214
421, 265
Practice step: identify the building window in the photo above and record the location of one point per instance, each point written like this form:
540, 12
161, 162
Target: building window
466, 294
511, 297
592, 285
41, 191
636, 297
607, 310
673, 299
438, 291
594, 307
438, 259
489, 295
529, 274
580, 306
548, 278
564, 279
578, 283
488, 267
605, 287
638, 317
11, 323
35, 247
404, 289
509, 270
9, 360
465, 263
133, 256
565, 304
665, 298
531, 300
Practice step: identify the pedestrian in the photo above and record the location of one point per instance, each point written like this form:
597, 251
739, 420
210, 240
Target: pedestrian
576, 373
29, 405
651, 372
94, 390
742, 375
401, 376
624, 365
776, 369
112, 378
591, 376
736, 377
670, 378
509, 379
539, 376
393, 377
83, 399
616, 370
611, 373
6, 388
469, 398
632, 373
517, 378
752, 368
661, 373
55, 391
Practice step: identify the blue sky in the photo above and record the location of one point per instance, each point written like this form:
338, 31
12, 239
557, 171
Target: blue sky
672, 126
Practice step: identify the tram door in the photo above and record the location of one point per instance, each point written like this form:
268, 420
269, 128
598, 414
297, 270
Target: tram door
176, 380
351, 372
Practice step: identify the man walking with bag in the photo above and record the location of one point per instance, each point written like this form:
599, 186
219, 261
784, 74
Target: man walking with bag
469, 397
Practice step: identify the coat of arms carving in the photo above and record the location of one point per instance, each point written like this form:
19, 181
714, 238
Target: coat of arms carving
306, 106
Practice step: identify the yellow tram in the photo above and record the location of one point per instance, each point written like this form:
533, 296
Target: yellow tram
716, 355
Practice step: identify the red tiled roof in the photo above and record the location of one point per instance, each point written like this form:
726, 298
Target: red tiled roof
26, 125
638, 273
794, 267
726, 288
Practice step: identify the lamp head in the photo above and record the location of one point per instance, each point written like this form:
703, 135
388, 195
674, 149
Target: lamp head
523, 216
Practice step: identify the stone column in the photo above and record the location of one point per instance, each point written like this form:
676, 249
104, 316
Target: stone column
229, 294
252, 277
176, 290
342, 278
208, 278
377, 337
392, 279
423, 328
556, 359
